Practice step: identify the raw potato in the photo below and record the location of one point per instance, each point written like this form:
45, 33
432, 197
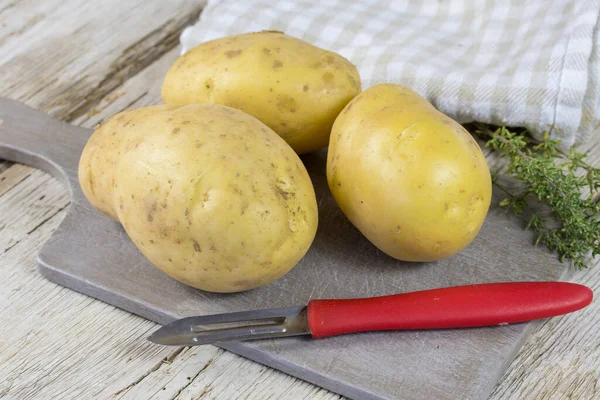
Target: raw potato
412, 180
295, 88
210, 195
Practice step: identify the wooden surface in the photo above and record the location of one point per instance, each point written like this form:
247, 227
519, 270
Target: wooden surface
57, 343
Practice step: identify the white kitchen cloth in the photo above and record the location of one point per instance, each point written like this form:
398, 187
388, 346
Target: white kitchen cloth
531, 63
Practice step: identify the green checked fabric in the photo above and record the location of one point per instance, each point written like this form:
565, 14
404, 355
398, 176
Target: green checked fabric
519, 63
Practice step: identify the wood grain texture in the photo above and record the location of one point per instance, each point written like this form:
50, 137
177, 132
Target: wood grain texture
63, 56
84, 348
561, 360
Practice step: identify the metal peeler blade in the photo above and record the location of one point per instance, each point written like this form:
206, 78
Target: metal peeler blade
246, 325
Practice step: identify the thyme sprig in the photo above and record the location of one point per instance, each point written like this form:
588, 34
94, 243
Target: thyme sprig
565, 184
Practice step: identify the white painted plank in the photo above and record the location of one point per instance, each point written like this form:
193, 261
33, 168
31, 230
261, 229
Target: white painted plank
63, 56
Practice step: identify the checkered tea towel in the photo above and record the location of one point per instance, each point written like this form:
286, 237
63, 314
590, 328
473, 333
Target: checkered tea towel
530, 63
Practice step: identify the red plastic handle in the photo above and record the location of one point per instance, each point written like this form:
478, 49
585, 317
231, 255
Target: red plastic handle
453, 307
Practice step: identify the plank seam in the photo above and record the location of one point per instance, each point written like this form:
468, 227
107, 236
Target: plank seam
15, 185
147, 49
48, 219
154, 368
208, 363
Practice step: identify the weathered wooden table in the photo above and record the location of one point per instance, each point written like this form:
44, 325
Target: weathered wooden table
82, 62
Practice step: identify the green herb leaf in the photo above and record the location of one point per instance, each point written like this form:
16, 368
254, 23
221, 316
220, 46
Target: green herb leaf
557, 181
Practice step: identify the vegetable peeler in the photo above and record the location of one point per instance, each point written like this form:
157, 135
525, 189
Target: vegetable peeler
453, 307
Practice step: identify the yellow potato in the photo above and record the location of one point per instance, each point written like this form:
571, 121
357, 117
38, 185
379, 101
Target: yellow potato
209, 194
412, 180
295, 88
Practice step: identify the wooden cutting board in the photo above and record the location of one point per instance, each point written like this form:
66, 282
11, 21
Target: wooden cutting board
92, 254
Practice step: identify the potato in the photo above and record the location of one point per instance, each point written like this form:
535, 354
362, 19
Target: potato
295, 88
209, 194
412, 180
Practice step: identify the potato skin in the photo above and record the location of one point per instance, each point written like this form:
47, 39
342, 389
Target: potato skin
412, 180
210, 195
295, 88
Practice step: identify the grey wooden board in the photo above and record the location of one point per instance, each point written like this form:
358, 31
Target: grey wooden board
91, 254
